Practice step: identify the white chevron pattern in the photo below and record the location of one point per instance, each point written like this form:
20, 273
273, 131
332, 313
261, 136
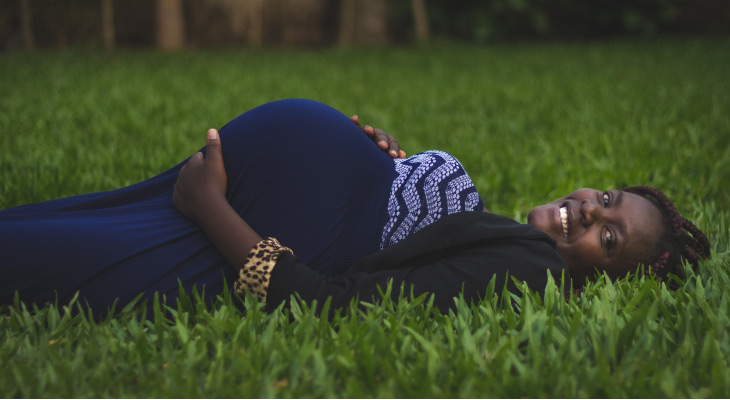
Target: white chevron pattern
425, 182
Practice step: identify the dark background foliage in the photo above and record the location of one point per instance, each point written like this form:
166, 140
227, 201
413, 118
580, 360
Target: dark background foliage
295, 23
498, 20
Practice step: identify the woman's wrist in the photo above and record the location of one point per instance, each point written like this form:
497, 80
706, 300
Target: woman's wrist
230, 234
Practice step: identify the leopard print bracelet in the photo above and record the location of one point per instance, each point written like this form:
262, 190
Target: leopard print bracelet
256, 271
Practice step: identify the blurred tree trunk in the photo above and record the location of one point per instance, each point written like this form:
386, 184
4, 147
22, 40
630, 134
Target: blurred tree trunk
347, 23
170, 25
371, 21
302, 22
363, 22
420, 17
25, 21
255, 22
107, 23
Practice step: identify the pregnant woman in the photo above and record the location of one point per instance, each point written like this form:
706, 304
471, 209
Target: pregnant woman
291, 197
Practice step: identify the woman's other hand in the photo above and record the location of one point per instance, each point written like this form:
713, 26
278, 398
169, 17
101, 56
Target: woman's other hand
202, 181
383, 139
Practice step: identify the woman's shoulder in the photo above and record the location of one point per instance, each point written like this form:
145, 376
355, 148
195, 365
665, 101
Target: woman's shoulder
471, 249
473, 232
477, 226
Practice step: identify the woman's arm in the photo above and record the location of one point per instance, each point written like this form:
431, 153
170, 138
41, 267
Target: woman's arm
201, 188
200, 194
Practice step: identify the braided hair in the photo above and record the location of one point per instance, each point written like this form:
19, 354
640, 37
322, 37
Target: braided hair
680, 239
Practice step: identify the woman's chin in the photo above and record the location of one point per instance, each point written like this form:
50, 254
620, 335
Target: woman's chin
536, 219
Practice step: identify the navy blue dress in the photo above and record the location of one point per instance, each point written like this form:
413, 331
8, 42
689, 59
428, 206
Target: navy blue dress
297, 170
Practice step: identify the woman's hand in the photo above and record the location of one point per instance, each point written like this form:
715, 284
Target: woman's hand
201, 183
200, 194
383, 139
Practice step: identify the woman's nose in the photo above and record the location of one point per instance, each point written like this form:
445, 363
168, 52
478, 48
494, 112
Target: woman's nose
590, 212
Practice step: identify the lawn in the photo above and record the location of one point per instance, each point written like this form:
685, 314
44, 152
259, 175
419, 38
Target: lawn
530, 122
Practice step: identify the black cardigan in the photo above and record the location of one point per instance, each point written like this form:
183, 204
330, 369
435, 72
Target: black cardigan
460, 250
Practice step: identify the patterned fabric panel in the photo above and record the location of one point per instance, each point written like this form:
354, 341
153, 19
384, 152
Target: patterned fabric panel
429, 186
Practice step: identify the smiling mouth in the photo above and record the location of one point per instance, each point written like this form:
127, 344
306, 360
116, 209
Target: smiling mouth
564, 220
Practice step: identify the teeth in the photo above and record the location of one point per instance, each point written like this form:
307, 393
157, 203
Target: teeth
564, 220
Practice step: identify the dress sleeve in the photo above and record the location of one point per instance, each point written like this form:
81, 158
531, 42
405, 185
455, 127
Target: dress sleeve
469, 273
269, 258
274, 273
442, 278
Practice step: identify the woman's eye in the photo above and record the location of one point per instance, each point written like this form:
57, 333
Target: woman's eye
606, 199
609, 238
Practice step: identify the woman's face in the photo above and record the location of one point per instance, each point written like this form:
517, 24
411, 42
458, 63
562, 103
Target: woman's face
612, 231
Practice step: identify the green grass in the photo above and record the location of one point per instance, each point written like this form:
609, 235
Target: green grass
529, 122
